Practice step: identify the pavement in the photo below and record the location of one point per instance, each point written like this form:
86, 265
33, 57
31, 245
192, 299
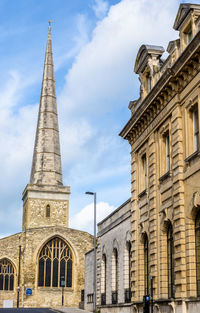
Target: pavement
71, 310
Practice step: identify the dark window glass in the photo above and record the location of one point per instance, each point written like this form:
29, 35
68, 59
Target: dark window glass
11, 282
6, 282
146, 264
48, 273
62, 270
196, 127
47, 211
170, 261
69, 273
41, 273
55, 273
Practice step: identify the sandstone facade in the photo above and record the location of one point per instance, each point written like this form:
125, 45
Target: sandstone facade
163, 132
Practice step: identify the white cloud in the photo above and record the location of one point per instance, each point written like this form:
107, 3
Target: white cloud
84, 220
100, 8
102, 71
99, 86
93, 106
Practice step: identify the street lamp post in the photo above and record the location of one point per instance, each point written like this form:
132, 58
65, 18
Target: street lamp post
94, 280
18, 285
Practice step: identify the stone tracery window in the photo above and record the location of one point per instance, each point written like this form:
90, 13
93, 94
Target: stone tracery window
6, 275
55, 264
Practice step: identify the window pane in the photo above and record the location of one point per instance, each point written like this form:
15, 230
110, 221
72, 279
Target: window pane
55, 273
47, 211
69, 273
41, 273
62, 270
48, 273
146, 265
11, 282
6, 282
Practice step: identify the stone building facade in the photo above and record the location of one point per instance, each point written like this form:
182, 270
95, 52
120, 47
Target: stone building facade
113, 263
47, 257
163, 132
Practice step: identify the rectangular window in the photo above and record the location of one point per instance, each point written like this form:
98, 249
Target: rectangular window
90, 298
195, 118
144, 172
167, 152
189, 36
149, 83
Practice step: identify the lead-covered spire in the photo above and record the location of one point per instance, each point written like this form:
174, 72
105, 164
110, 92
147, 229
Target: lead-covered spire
46, 165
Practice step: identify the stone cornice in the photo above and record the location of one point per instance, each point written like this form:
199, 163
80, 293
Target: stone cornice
172, 81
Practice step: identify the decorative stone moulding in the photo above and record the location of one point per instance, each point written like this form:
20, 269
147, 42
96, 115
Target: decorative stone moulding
186, 68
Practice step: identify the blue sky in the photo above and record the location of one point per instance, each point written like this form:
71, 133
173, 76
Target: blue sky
95, 43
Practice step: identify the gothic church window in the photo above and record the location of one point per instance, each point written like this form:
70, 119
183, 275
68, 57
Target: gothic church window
55, 264
170, 261
6, 275
48, 210
197, 243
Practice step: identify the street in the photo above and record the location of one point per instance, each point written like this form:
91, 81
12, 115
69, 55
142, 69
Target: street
28, 310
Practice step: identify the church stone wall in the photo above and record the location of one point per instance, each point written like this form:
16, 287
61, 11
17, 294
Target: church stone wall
35, 213
9, 247
31, 242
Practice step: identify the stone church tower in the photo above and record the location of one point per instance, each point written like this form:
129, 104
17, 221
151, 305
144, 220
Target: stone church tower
47, 256
45, 198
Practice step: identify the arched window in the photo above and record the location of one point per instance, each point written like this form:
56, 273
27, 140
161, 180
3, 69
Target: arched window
103, 279
6, 275
48, 210
115, 276
170, 261
146, 264
55, 264
197, 242
127, 272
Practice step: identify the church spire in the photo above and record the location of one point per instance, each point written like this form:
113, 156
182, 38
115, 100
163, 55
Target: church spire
46, 165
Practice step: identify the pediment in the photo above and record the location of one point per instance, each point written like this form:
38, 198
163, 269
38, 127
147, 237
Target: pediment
143, 54
183, 12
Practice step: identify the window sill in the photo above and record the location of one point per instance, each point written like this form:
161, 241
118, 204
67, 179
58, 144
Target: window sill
142, 194
165, 176
192, 156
